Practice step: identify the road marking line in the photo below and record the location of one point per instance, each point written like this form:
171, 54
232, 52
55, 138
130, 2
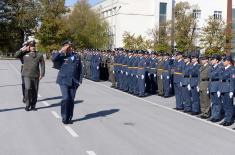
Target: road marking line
45, 103
90, 152
167, 108
71, 131
12, 66
55, 114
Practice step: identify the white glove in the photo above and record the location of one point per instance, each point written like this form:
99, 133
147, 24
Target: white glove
207, 91
121, 71
113, 72
168, 77
131, 74
198, 89
161, 77
170, 85
231, 94
155, 75
181, 84
218, 93
126, 73
189, 87
142, 77
97, 67
136, 76
148, 74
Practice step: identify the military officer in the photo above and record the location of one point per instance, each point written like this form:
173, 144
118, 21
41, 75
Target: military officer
226, 90
203, 88
159, 75
194, 81
141, 74
166, 75
185, 84
33, 71
69, 78
178, 68
153, 73
213, 88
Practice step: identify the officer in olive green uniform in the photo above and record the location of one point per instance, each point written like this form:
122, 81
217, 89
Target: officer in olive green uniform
33, 71
203, 88
159, 76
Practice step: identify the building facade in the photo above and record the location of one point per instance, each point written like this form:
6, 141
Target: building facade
139, 17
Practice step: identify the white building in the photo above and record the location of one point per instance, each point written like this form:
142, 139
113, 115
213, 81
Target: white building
140, 16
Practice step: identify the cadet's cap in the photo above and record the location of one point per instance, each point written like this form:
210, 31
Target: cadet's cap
67, 42
178, 53
228, 58
204, 57
216, 56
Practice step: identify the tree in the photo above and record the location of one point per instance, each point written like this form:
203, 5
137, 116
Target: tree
213, 36
161, 37
17, 18
185, 27
87, 28
53, 29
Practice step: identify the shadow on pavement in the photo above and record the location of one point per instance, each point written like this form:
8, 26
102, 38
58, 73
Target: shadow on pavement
103, 113
58, 104
52, 105
50, 98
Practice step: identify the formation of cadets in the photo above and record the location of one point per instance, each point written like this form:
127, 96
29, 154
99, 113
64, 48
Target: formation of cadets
202, 86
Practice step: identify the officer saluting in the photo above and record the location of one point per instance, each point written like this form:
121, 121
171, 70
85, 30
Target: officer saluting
31, 73
69, 78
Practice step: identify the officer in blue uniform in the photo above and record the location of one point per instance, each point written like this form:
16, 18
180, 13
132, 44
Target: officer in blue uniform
69, 78
226, 90
178, 68
166, 75
135, 72
213, 87
185, 84
194, 84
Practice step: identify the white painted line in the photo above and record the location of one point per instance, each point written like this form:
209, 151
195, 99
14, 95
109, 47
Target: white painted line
167, 108
71, 131
39, 95
45, 103
12, 66
55, 114
90, 152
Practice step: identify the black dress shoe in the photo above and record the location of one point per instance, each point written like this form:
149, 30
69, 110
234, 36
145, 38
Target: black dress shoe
33, 108
214, 120
27, 108
195, 113
204, 117
226, 123
179, 109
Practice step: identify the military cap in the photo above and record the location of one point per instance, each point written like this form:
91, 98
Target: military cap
67, 42
203, 57
216, 56
178, 53
194, 55
228, 58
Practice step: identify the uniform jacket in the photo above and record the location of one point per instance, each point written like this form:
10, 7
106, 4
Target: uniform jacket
204, 77
178, 71
214, 77
227, 80
34, 64
70, 73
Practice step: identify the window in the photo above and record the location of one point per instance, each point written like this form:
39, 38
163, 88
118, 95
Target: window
217, 14
197, 14
162, 13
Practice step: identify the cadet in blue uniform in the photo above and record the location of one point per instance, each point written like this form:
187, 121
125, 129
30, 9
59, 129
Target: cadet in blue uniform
178, 68
141, 74
194, 82
153, 73
166, 75
213, 88
226, 89
69, 78
185, 84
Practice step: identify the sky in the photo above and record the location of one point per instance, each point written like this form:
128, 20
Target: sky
72, 2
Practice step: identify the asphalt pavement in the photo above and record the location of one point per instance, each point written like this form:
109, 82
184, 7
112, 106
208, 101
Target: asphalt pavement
106, 122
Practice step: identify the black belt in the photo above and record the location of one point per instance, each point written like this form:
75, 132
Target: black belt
186, 76
205, 79
194, 76
214, 79
225, 80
